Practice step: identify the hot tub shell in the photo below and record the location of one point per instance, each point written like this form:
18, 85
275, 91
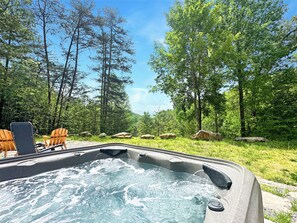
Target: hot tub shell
239, 190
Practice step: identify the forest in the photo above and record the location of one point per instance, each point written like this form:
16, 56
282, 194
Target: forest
228, 66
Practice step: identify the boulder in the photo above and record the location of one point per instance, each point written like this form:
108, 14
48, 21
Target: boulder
122, 135
207, 135
168, 136
147, 136
251, 139
102, 135
85, 134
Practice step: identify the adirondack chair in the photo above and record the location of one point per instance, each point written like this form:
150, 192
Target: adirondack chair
6, 141
57, 139
23, 133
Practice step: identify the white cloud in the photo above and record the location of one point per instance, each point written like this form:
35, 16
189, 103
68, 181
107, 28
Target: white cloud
137, 95
141, 100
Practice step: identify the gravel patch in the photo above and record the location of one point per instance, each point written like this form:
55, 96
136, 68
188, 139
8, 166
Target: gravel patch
79, 144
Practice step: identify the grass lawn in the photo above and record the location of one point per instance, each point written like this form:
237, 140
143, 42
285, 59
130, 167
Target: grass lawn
275, 161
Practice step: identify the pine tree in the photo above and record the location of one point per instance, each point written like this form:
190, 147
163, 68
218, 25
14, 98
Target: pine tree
114, 55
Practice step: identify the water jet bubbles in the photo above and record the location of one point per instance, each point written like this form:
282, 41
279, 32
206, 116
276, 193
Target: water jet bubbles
113, 190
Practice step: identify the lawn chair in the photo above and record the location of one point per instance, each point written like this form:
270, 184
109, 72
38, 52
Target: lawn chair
23, 134
6, 141
57, 138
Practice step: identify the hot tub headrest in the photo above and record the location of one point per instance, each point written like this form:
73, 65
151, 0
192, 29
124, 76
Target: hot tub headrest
219, 178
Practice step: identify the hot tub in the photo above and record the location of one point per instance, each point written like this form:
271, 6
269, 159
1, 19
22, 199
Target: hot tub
238, 195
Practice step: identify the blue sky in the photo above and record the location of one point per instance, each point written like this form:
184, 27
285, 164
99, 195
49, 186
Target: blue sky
146, 23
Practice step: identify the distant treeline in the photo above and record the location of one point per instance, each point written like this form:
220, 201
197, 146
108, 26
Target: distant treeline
228, 66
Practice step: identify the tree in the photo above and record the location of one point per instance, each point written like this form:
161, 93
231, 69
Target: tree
16, 36
114, 50
235, 42
118, 109
33, 84
166, 121
214, 99
145, 124
77, 21
193, 49
231, 125
82, 114
47, 14
257, 44
133, 120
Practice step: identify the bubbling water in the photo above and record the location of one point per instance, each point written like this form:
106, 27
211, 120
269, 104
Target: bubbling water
108, 190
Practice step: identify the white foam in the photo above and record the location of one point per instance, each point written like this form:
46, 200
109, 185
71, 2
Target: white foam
39, 210
117, 212
74, 201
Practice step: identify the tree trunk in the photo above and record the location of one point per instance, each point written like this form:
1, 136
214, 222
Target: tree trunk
241, 103
216, 122
106, 83
47, 65
75, 70
47, 70
2, 102
197, 102
103, 86
63, 78
108, 76
60, 111
199, 110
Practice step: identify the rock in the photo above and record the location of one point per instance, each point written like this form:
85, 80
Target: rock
85, 134
102, 135
147, 136
251, 139
273, 203
278, 185
122, 135
168, 136
293, 194
207, 135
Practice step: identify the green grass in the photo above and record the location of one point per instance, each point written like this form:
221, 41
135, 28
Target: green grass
280, 217
294, 205
276, 191
274, 160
